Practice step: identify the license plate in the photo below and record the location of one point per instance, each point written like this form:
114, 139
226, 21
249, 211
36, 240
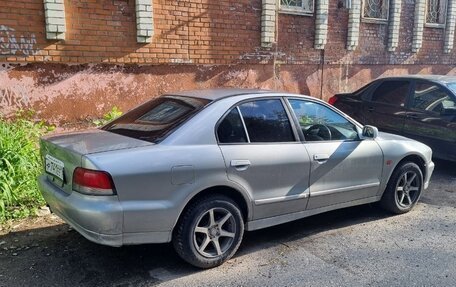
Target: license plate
54, 166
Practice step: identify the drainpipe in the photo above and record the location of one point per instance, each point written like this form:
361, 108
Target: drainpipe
322, 67
276, 48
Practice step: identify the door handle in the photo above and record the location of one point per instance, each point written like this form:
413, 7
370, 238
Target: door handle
412, 116
370, 109
321, 157
240, 164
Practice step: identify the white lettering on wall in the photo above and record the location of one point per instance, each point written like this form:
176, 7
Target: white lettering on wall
14, 97
10, 45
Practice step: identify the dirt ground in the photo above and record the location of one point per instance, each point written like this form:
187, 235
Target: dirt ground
360, 246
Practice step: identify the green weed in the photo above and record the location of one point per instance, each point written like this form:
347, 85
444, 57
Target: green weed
114, 113
20, 162
20, 165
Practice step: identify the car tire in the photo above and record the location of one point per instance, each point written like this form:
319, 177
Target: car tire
209, 231
404, 188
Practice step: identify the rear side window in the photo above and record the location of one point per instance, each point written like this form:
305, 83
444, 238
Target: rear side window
231, 129
266, 121
155, 119
392, 93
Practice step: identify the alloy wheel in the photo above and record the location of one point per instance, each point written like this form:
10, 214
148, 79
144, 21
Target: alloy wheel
407, 189
214, 232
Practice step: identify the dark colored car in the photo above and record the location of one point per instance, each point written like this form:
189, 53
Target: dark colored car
422, 107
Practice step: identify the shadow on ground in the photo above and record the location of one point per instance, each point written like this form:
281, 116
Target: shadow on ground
59, 256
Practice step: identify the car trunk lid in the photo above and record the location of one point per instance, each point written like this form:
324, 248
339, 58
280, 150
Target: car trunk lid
62, 153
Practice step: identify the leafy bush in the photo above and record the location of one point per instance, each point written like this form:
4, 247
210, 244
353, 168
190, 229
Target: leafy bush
20, 165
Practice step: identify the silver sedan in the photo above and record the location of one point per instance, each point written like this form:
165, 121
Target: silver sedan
198, 168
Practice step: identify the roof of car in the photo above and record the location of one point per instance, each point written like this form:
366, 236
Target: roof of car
436, 78
216, 94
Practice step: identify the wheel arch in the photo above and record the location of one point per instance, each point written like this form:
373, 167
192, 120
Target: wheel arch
420, 162
237, 196
389, 200
415, 158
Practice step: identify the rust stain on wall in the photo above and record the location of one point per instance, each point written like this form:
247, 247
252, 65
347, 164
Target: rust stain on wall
62, 93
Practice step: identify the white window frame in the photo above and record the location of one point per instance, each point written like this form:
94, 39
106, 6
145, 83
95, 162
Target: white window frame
436, 25
375, 20
297, 10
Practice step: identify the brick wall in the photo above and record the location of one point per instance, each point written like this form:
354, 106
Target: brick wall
194, 35
199, 32
203, 32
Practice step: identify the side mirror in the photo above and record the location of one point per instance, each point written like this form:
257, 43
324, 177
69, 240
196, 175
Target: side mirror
369, 132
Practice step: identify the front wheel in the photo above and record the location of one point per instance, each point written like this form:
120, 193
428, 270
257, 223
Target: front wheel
209, 231
404, 188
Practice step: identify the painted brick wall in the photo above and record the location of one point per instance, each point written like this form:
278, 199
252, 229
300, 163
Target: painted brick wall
195, 44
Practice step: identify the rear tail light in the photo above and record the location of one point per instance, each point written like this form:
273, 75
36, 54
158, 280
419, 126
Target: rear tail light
93, 182
332, 100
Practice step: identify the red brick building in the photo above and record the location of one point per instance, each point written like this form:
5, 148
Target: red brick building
70, 59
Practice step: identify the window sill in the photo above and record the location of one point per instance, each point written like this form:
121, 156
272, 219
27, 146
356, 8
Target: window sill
295, 12
434, 25
375, 21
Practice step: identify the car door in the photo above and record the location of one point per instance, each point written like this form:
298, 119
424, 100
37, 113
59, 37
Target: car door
385, 105
343, 167
431, 118
263, 154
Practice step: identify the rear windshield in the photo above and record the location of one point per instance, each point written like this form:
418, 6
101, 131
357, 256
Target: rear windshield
154, 120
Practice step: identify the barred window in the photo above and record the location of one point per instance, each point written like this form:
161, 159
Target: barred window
305, 6
376, 9
435, 12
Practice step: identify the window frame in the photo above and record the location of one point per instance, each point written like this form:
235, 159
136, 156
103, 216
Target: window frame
297, 10
379, 83
375, 20
220, 121
366, 94
436, 25
357, 125
296, 136
450, 88
412, 96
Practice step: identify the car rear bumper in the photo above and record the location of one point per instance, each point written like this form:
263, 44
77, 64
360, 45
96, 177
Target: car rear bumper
97, 218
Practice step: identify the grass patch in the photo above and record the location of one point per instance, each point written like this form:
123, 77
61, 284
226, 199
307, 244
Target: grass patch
20, 164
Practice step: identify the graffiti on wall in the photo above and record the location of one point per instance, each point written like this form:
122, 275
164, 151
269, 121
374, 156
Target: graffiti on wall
13, 44
14, 97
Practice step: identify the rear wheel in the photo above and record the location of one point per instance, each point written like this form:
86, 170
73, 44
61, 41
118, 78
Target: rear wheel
209, 232
404, 188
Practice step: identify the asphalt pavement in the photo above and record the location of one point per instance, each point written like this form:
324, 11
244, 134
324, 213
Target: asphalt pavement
359, 246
